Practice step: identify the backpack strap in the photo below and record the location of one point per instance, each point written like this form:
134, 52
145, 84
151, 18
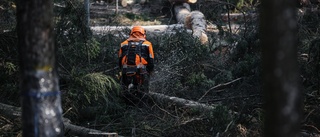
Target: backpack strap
128, 49
139, 52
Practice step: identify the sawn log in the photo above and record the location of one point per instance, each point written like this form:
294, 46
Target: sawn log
193, 20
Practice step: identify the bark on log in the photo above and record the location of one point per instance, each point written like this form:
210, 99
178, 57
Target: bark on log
162, 99
194, 20
10, 112
199, 26
183, 1
153, 30
182, 11
13, 112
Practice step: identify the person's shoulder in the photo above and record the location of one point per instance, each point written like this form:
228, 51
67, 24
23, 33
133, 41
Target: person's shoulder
147, 42
124, 42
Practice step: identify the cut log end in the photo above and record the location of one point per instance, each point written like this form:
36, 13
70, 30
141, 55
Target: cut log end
204, 38
192, 1
183, 1
124, 3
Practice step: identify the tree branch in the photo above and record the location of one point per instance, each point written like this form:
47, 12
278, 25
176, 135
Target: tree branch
219, 86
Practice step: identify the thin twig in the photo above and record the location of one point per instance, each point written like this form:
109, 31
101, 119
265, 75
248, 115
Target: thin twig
305, 119
219, 86
312, 126
227, 128
5, 119
149, 133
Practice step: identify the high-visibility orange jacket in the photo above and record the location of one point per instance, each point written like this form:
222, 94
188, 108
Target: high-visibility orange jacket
146, 52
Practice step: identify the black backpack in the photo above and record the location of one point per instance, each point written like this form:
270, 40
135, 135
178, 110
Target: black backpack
133, 49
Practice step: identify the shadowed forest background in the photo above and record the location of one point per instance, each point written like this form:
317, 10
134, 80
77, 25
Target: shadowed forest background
224, 73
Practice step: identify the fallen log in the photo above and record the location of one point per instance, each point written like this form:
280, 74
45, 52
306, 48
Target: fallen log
154, 29
163, 99
193, 20
181, 12
9, 111
183, 1
199, 26
13, 112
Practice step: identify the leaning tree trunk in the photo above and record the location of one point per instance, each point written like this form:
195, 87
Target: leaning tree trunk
193, 20
280, 68
40, 95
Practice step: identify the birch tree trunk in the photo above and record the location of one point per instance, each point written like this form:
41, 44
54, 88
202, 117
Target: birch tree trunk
280, 68
40, 95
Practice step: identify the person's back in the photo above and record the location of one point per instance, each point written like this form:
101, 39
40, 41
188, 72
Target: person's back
136, 60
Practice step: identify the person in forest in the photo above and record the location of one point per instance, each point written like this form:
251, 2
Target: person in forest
136, 60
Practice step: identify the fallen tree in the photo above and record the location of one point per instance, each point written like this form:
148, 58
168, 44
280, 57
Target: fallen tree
193, 20
180, 102
12, 112
125, 3
150, 29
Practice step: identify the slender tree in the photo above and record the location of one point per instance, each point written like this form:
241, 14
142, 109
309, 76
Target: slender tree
40, 95
87, 12
278, 29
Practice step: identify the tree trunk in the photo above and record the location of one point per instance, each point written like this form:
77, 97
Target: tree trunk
280, 68
40, 95
194, 20
87, 13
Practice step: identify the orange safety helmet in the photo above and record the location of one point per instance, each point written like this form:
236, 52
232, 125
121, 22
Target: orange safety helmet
138, 29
